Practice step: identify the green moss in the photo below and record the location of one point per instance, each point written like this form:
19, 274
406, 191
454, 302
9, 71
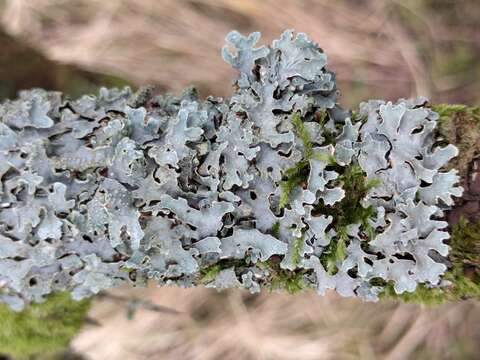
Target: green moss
292, 282
321, 117
294, 177
298, 174
302, 133
463, 287
126, 269
276, 230
209, 273
346, 212
424, 296
355, 116
349, 210
465, 243
446, 111
465, 257
279, 279
335, 252
292, 285
41, 329
297, 246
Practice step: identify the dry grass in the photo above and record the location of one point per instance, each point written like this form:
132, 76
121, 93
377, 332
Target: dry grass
237, 325
384, 49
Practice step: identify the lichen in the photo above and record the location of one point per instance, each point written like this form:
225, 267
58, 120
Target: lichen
276, 186
461, 281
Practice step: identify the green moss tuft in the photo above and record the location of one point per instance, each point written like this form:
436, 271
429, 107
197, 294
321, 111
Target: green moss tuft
447, 111
428, 297
41, 329
298, 174
463, 287
209, 273
321, 117
465, 257
302, 133
276, 230
356, 186
465, 243
350, 210
290, 281
294, 176
297, 246
127, 269
335, 252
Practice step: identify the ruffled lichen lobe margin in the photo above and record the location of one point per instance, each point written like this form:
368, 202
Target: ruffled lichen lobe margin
459, 125
276, 187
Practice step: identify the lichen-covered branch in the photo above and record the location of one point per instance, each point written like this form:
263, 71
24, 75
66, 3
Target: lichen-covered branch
276, 187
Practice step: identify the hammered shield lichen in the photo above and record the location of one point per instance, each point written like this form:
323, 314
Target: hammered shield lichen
276, 181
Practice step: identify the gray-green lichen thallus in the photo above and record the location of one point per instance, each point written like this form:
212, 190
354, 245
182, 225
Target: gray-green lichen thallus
276, 187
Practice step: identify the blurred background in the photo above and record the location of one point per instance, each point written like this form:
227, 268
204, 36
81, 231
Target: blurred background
379, 49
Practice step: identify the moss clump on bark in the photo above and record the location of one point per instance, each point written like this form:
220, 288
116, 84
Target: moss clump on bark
209, 273
292, 282
465, 258
460, 125
41, 329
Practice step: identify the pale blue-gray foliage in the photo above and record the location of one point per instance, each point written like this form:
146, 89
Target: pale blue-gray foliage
105, 190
